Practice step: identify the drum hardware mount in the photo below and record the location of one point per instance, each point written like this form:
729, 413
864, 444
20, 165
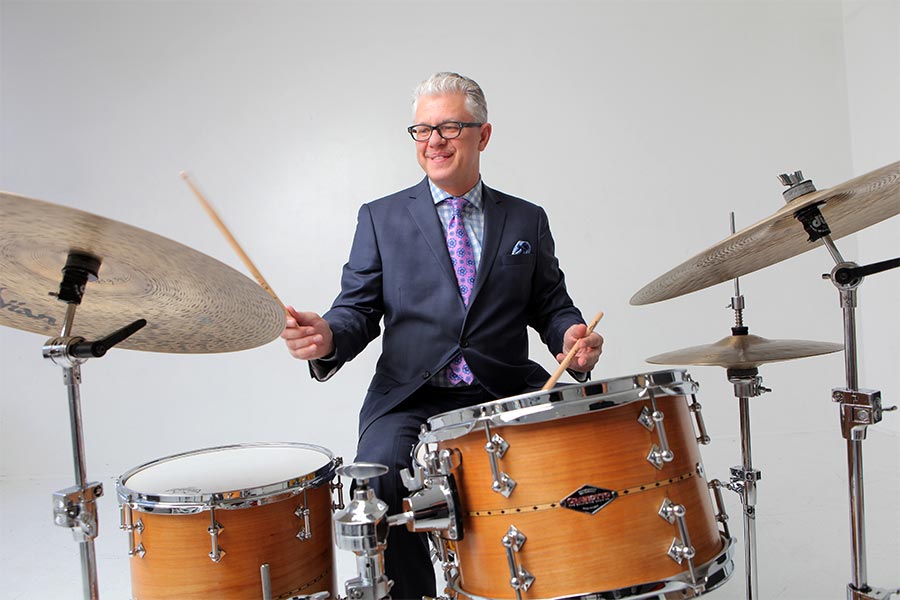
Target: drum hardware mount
653, 419
215, 554
721, 516
339, 487
859, 408
681, 549
75, 507
440, 552
362, 528
433, 504
519, 578
697, 410
302, 512
127, 524
496, 448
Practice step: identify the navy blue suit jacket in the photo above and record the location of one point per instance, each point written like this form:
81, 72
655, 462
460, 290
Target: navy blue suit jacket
399, 270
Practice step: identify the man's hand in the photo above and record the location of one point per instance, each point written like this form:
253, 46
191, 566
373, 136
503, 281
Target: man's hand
307, 335
588, 353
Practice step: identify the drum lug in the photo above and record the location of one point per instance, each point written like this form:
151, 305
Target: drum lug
302, 512
697, 411
721, 516
125, 524
680, 549
653, 419
214, 530
140, 551
519, 577
496, 448
339, 486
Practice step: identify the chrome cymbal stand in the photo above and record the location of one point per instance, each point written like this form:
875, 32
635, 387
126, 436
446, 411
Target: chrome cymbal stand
859, 407
362, 528
75, 507
747, 384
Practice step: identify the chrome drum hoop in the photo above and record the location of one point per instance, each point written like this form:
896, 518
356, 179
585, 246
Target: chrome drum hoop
238, 498
561, 402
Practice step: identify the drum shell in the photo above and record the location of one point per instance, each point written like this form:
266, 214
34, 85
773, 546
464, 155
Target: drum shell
175, 544
623, 544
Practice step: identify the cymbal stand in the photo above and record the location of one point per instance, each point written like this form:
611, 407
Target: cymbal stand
747, 384
362, 528
859, 407
75, 507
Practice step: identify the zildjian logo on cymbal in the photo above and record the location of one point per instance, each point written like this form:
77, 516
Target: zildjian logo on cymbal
20, 308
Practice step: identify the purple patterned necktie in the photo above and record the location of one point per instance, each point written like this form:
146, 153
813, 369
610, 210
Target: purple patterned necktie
463, 257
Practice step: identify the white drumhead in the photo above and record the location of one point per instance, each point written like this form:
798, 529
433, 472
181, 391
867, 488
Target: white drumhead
216, 470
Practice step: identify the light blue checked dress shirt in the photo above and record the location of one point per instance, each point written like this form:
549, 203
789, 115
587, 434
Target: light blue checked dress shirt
473, 217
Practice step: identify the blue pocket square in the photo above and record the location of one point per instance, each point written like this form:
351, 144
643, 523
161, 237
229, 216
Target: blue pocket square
522, 247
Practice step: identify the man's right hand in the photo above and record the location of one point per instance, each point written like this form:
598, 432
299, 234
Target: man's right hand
307, 335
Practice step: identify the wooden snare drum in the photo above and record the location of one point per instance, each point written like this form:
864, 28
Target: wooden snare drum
203, 524
595, 490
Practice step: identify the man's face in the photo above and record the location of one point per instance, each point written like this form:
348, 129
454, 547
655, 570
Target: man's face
453, 165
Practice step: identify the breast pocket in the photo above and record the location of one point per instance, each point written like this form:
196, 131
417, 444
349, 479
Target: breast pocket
517, 259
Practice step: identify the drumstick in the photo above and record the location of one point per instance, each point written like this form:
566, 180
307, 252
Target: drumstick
565, 363
234, 244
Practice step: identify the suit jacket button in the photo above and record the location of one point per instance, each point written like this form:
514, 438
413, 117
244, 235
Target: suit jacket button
426, 375
464, 343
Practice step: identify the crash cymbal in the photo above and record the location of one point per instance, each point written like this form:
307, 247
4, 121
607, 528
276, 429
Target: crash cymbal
847, 208
192, 302
744, 352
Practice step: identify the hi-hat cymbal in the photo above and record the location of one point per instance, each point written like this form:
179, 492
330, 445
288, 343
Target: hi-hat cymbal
192, 302
847, 208
744, 352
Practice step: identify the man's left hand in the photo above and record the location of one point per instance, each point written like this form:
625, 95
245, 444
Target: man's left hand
588, 353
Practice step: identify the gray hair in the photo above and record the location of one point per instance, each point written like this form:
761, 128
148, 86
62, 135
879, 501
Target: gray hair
454, 83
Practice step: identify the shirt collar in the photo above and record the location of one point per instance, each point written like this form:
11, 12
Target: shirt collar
473, 196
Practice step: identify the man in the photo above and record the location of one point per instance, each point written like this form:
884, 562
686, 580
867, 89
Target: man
457, 283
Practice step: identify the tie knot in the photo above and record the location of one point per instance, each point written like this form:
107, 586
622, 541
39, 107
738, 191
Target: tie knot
457, 204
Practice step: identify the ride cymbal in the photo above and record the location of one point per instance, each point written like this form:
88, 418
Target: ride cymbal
192, 302
847, 208
744, 352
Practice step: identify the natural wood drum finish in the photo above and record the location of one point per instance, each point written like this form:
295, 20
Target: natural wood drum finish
569, 552
177, 562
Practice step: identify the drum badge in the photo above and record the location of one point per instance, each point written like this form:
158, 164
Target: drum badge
588, 499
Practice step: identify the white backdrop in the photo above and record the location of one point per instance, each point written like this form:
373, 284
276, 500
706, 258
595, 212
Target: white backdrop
637, 125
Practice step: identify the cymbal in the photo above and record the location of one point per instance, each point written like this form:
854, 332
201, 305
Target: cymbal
744, 352
848, 208
192, 302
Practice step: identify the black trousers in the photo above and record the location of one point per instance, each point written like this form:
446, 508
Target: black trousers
390, 441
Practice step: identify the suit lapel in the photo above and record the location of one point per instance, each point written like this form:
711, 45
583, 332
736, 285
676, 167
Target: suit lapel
421, 208
494, 222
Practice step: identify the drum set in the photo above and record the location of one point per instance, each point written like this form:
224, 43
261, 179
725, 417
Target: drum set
636, 516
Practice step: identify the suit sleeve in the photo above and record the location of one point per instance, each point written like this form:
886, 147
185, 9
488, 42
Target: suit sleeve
356, 313
551, 311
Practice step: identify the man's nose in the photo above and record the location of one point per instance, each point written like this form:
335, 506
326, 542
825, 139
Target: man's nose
436, 139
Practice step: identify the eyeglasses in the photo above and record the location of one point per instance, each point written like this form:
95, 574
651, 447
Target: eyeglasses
447, 130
